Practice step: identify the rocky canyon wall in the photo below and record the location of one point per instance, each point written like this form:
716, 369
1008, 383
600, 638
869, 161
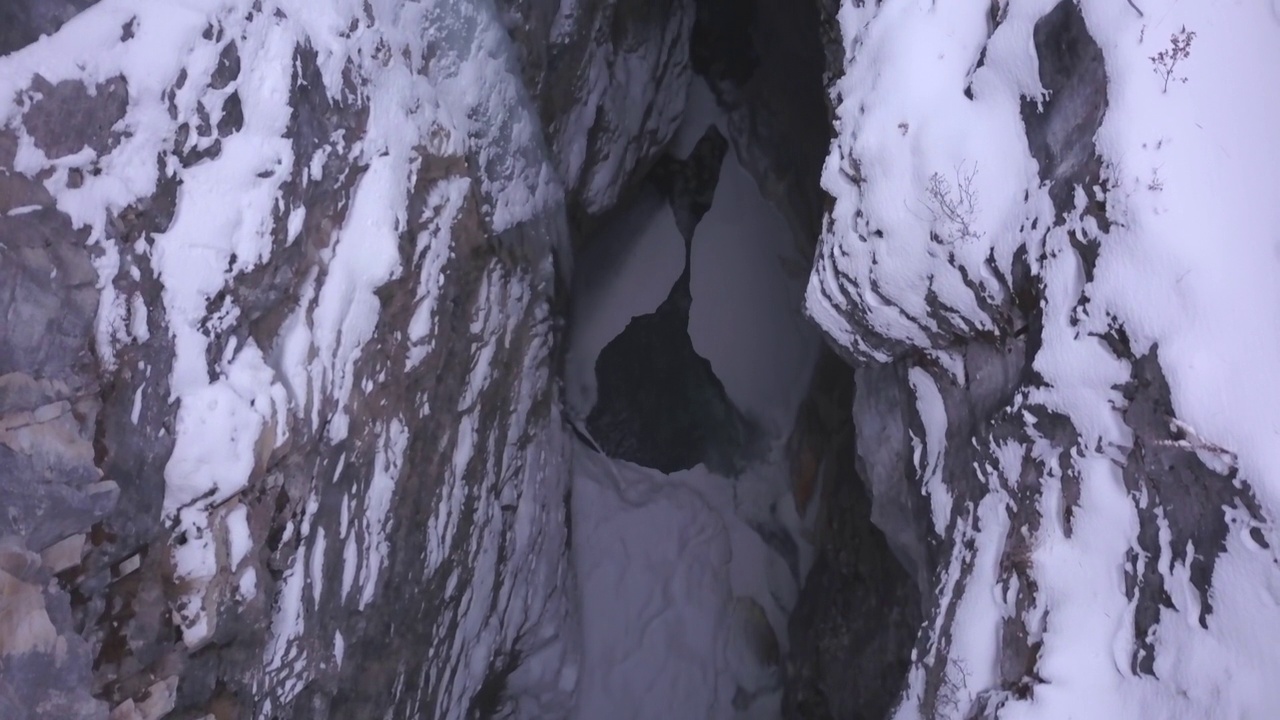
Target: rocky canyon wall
279, 427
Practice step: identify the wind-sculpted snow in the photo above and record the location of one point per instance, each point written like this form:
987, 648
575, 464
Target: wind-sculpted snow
317, 396
1059, 259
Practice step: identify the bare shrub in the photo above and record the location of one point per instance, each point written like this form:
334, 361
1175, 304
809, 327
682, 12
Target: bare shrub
955, 205
1165, 62
953, 688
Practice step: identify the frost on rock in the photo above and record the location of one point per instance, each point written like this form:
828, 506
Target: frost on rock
1074, 380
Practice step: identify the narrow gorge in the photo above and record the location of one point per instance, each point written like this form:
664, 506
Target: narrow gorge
638, 359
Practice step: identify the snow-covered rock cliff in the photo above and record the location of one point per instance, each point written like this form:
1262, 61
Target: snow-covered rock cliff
279, 427
322, 321
1051, 255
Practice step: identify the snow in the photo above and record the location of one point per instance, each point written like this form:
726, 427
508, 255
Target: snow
316, 571
640, 633
439, 82
901, 118
136, 411
1187, 266
660, 561
746, 316
247, 586
933, 413
366, 257
239, 540
1198, 168
219, 429
475, 76
1211, 263
377, 509
434, 247
620, 101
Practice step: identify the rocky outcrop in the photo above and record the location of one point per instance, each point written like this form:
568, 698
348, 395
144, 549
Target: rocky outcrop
852, 629
22, 22
278, 430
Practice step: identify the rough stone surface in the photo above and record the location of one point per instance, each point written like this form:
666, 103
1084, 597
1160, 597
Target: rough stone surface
1061, 127
51, 488
851, 631
610, 78
764, 61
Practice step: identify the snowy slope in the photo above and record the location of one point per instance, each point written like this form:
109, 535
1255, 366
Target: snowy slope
684, 605
1108, 542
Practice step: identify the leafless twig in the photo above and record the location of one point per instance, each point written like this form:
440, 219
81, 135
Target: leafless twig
1165, 62
956, 206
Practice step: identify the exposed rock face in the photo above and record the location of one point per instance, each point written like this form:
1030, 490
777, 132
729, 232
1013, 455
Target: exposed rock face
280, 289
278, 428
22, 22
859, 610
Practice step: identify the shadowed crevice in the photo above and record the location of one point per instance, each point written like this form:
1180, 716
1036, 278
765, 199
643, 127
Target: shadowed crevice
659, 403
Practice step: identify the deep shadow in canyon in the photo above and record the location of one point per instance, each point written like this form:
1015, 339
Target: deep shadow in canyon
660, 404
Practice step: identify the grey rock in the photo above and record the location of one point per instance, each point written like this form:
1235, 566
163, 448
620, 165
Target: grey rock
610, 85
1061, 127
853, 627
1179, 484
66, 118
22, 22
764, 61
48, 298
93, 421
44, 665
1187, 498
